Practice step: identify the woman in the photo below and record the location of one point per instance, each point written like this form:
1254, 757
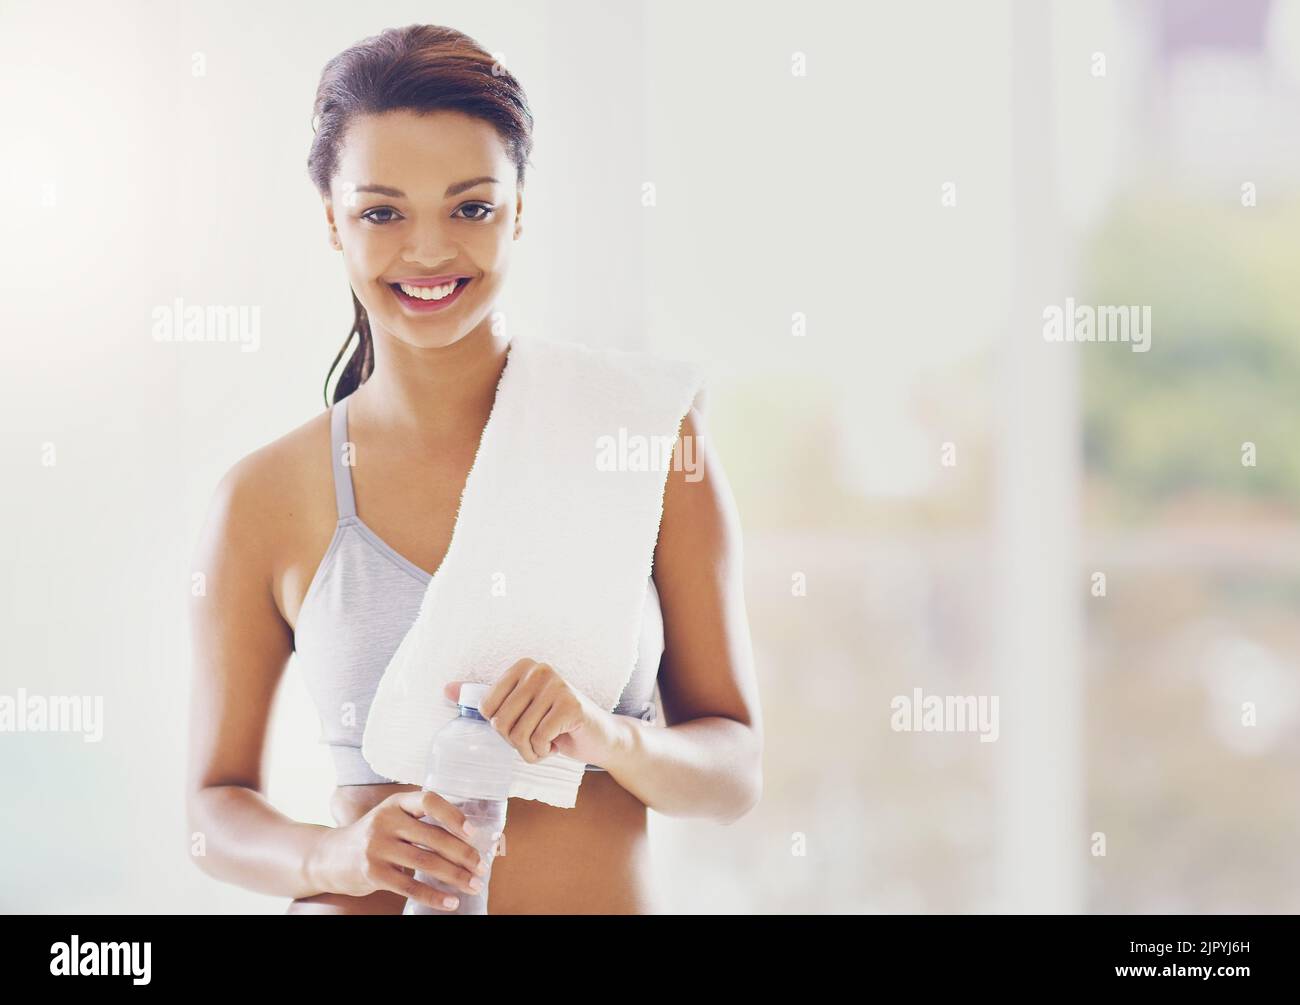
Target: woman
323, 542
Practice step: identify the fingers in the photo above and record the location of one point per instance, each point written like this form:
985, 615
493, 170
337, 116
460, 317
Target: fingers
440, 841
504, 686
394, 879
450, 840
423, 832
526, 706
536, 691
523, 733
552, 725
515, 701
419, 803
434, 864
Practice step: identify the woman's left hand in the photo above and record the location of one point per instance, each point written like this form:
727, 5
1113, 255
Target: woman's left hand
541, 714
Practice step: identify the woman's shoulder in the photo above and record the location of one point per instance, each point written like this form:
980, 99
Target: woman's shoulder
262, 497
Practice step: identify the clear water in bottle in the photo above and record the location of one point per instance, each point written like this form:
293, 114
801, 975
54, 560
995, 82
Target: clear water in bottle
470, 765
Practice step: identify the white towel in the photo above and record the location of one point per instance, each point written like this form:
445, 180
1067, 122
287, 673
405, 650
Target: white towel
552, 550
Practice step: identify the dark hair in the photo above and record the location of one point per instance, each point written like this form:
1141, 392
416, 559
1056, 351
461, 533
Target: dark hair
421, 68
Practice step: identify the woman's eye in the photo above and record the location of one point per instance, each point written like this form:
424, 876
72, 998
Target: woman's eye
386, 214
487, 211
371, 214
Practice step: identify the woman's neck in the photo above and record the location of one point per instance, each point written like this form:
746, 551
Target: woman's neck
432, 397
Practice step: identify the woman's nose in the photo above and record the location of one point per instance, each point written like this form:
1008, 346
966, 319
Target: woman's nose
429, 244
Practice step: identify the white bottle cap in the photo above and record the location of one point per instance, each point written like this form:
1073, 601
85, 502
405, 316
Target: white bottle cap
472, 695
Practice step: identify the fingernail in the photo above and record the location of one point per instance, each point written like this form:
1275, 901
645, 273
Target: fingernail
481, 868
469, 827
475, 885
450, 902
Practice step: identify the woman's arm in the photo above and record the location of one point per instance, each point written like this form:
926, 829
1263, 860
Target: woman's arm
240, 645
708, 761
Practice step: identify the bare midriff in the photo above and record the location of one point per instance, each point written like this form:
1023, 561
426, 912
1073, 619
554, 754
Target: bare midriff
591, 859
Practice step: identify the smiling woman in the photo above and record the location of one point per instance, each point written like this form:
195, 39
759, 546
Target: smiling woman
324, 542
428, 99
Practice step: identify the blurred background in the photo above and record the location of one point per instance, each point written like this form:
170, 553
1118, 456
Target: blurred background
859, 217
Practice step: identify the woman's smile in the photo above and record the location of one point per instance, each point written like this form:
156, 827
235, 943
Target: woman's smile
422, 296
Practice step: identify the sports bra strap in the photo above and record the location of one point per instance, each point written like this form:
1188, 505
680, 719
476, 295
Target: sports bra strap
343, 495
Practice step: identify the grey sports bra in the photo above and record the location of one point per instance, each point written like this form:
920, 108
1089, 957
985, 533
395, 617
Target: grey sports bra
360, 604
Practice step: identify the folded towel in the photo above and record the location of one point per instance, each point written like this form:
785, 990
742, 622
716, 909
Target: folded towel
552, 549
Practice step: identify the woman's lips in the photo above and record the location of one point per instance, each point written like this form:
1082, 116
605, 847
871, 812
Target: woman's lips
419, 306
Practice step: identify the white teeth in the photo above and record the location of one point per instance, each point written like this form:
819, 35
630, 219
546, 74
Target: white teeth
428, 292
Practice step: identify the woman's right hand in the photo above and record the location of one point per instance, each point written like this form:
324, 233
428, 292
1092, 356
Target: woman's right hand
383, 849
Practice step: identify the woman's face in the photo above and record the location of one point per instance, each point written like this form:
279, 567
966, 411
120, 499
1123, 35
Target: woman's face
419, 202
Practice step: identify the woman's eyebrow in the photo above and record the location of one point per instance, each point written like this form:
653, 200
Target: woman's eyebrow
455, 189
461, 186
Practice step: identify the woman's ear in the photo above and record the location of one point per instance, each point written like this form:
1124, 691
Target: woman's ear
335, 243
519, 214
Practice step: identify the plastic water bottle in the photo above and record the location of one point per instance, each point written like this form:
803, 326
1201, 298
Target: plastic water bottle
470, 765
